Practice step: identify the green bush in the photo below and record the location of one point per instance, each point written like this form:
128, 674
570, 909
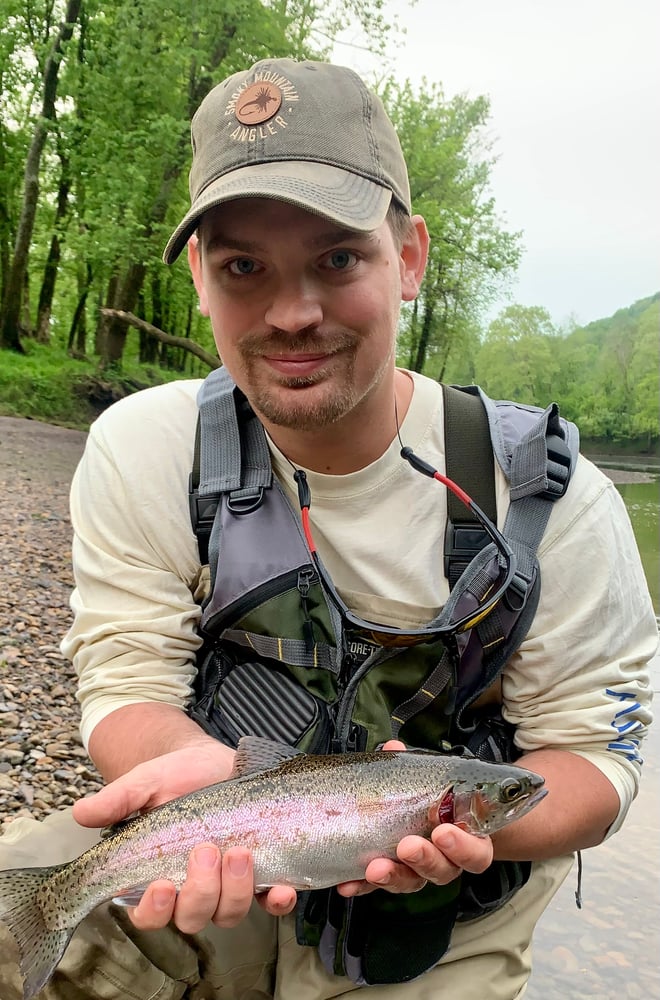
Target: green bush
47, 384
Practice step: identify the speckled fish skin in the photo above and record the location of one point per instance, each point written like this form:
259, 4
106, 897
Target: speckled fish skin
309, 821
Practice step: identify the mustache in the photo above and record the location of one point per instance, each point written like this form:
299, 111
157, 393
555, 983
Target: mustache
304, 342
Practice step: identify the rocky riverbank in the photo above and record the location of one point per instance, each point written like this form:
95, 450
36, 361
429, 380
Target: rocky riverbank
43, 766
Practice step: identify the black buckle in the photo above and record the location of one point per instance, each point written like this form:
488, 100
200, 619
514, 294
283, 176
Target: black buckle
202, 516
558, 472
202, 509
462, 542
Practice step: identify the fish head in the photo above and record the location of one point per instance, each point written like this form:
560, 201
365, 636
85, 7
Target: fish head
484, 804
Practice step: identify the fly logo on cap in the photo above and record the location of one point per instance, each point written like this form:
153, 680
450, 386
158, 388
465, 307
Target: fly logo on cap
258, 103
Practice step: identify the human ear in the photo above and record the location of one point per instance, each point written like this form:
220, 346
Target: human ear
195, 264
413, 256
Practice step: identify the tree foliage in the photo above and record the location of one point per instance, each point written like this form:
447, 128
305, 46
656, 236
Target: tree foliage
94, 157
450, 162
604, 375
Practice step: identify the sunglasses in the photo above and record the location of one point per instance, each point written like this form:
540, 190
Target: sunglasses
494, 578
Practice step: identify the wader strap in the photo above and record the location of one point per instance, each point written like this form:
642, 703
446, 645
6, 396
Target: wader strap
541, 466
292, 651
434, 685
469, 462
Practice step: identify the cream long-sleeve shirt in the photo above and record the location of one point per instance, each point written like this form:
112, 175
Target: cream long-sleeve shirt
578, 682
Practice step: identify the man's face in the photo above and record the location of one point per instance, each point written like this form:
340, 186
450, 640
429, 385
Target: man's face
304, 313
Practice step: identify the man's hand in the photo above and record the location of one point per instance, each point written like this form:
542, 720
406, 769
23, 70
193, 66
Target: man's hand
450, 851
218, 890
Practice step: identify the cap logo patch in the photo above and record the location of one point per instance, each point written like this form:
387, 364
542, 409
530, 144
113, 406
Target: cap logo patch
258, 103
262, 108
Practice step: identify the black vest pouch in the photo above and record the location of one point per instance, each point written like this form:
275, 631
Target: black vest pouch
236, 697
381, 937
483, 894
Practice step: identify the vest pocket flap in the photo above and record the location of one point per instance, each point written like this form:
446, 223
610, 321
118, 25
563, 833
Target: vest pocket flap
258, 699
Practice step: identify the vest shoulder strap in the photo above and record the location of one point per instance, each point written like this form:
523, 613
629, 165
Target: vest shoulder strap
536, 450
469, 462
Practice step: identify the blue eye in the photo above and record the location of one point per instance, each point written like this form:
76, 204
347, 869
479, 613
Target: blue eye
242, 265
339, 260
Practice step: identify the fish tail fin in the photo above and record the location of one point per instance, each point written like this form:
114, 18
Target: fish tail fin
40, 948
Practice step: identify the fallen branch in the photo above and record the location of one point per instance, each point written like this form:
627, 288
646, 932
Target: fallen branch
166, 338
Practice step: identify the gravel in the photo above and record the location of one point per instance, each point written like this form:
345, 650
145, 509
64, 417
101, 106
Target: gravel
43, 766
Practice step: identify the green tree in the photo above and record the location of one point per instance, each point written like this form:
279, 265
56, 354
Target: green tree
519, 358
450, 161
17, 270
109, 180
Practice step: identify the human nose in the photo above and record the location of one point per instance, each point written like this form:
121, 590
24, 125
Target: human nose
294, 306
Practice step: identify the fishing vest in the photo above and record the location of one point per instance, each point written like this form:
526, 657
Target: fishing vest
277, 660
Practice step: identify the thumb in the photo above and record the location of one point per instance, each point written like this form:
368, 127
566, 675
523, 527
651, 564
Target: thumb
130, 793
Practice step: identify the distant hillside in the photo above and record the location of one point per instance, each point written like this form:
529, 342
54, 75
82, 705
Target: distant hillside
619, 408
603, 375
624, 321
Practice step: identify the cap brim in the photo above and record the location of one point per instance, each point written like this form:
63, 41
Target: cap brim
347, 199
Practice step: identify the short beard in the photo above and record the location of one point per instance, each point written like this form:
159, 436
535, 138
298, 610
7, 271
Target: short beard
299, 415
325, 411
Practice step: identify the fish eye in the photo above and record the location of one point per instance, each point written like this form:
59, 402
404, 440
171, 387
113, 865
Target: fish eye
510, 790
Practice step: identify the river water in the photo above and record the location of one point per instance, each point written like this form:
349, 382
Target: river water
609, 949
643, 503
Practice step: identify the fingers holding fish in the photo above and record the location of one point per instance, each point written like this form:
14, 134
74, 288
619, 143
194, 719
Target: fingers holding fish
156, 907
217, 889
278, 901
202, 894
440, 861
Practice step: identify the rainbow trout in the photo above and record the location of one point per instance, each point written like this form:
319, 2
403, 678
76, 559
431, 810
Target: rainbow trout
309, 821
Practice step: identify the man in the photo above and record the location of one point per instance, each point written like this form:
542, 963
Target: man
302, 246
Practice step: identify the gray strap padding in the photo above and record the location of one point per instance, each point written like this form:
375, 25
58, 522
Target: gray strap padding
234, 456
536, 481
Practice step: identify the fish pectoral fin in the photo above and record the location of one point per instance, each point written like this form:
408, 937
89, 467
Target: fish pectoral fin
110, 831
256, 753
300, 885
130, 897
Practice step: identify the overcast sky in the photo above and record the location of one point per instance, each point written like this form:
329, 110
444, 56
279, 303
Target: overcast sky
575, 109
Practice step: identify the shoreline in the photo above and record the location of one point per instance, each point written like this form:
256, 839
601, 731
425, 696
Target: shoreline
627, 475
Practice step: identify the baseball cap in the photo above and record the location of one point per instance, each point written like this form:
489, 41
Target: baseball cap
308, 133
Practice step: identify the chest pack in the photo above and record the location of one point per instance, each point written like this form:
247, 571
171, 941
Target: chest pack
279, 660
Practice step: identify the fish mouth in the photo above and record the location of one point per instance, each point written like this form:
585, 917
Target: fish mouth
525, 802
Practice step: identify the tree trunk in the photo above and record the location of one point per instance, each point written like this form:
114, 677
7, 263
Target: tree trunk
5, 226
425, 336
47, 292
11, 309
78, 331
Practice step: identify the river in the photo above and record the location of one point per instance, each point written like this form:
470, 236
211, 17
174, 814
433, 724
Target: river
608, 950
643, 503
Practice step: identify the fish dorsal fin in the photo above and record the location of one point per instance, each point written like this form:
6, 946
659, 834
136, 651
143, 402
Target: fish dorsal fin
256, 753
